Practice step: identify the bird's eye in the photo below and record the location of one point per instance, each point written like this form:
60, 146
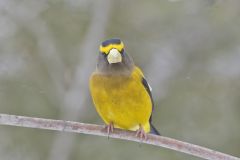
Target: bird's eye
104, 54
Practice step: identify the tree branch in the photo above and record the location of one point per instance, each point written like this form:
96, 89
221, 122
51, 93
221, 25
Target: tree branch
91, 129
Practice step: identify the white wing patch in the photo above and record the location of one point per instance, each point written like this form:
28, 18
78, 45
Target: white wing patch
150, 88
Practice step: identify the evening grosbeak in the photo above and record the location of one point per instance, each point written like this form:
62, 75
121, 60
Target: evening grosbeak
120, 92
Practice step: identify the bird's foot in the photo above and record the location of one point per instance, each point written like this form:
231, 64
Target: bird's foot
141, 133
109, 128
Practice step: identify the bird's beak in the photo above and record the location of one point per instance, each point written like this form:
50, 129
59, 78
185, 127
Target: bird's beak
114, 56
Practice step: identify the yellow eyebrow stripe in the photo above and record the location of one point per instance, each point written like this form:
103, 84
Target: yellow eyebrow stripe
106, 49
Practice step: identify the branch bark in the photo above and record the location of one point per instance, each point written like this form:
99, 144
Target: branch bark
91, 129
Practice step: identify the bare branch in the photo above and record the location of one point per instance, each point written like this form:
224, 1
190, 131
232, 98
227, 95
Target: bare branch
91, 129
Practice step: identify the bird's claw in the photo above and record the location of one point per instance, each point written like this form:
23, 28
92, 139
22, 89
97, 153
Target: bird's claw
109, 128
141, 133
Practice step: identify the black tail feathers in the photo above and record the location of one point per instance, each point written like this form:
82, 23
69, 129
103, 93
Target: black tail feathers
154, 130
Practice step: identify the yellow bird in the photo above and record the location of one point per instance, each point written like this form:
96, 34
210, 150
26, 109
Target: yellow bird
120, 92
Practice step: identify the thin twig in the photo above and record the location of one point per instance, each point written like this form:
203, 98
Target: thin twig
91, 129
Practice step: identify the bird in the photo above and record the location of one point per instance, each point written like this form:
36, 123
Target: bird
120, 92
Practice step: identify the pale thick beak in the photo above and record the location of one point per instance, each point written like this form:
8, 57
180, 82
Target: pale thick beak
114, 56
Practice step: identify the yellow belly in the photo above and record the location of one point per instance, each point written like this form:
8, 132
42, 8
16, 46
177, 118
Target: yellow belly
121, 100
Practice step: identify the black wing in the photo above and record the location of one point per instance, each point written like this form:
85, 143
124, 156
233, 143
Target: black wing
147, 87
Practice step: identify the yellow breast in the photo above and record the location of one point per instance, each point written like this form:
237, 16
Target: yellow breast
122, 100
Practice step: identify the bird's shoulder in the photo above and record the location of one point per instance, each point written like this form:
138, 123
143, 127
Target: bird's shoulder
137, 73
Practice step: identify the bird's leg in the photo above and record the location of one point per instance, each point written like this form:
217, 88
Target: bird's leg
109, 128
141, 133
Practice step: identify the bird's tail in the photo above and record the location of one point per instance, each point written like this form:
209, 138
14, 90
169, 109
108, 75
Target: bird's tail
154, 130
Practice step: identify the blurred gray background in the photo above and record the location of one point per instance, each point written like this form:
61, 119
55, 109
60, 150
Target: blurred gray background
188, 50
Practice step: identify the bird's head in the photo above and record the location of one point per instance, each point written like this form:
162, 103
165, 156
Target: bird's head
112, 49
113, 58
